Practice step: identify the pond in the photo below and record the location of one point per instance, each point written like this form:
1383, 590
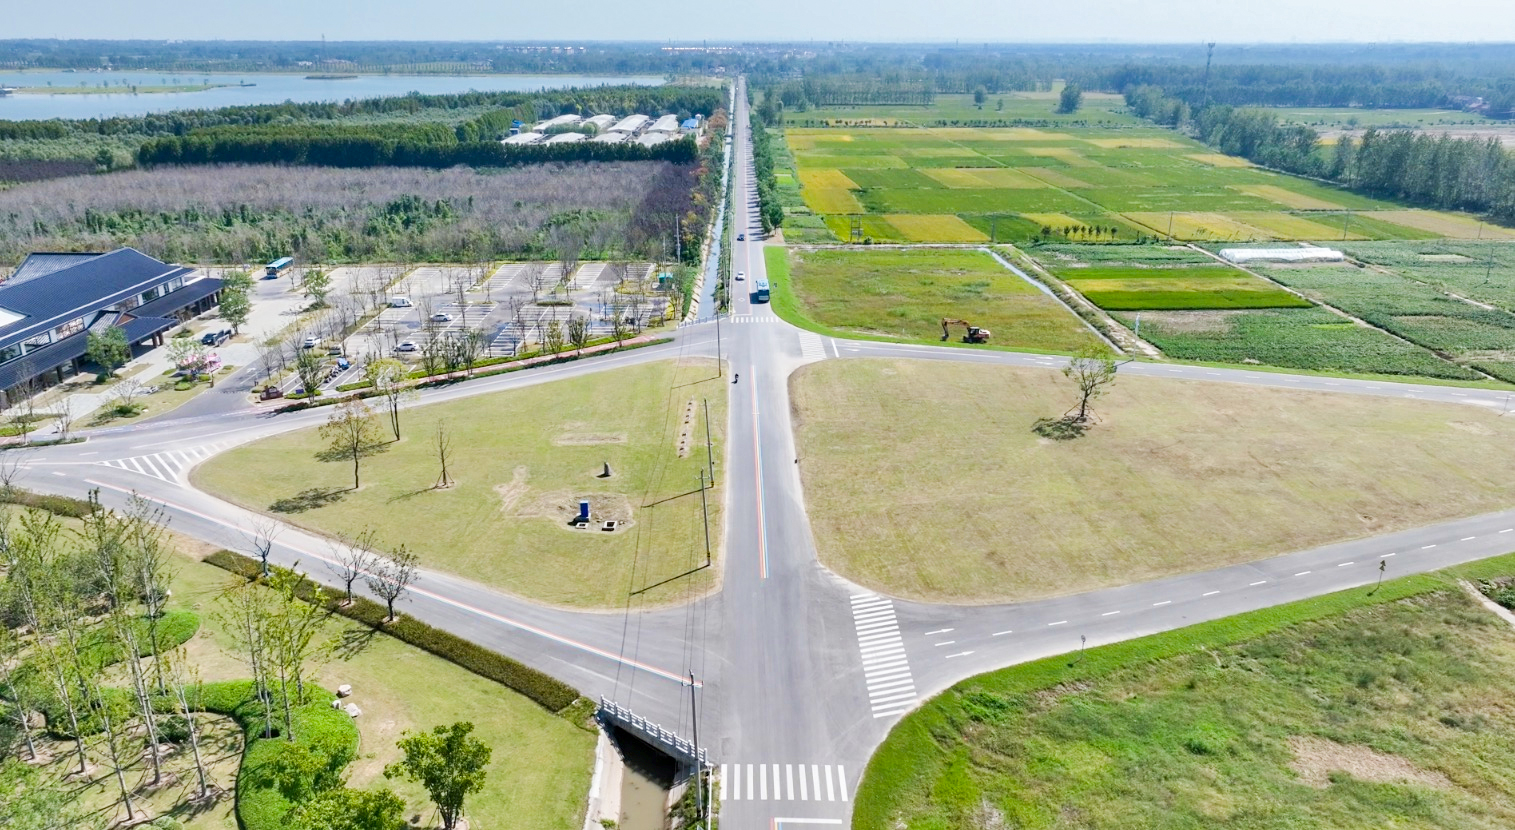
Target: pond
228, 90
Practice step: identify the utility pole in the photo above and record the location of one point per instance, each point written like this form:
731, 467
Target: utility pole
699, 764
1209, 55
705, 511
709, 446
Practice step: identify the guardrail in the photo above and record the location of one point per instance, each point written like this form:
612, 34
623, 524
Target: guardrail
652, 733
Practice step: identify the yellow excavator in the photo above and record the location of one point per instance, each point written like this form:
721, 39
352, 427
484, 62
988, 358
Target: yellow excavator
973, 335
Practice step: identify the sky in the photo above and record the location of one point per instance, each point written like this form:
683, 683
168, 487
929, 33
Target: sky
1084, 21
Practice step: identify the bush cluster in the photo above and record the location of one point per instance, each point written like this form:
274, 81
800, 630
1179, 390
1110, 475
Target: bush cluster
60, 505
551, 693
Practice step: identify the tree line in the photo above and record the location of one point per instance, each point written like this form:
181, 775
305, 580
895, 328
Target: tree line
355, 149
770, 211
1426, 169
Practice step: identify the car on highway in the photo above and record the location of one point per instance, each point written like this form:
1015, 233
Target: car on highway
741, 237
741, 275
406, 346
441, 317
311, 342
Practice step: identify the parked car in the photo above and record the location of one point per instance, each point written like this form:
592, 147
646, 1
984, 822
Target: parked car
741, 275
441, 317
407, 346
399, 301
344, 364
216, 338
334, 349
741, 237
270, 392
312, 342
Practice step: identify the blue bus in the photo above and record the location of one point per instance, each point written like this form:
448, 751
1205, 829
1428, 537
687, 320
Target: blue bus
278, 266
760, 290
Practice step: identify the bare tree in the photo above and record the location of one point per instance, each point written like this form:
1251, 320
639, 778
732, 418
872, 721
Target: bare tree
536, 279
353, 559
393, 576
11, 467
124, 396
389, 379
184, 678
1092, 371
444, 452
261, 539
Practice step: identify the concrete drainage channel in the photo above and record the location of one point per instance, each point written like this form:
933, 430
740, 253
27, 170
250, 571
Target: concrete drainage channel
634, 784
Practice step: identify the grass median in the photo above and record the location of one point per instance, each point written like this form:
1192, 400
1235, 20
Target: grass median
522, 460
924, 478
1353, 710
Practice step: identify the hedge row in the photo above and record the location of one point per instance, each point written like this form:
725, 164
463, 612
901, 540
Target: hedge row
61, 505
551, 693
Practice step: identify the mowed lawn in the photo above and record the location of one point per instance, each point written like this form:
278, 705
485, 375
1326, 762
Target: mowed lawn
924, 480
538, 775
522, 460
906, 293
1392, 714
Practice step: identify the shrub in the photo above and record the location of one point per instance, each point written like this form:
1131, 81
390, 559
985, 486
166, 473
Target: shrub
60, 505
551, 693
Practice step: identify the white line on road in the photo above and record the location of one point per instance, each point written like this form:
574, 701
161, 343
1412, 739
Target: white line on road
959, 654
1508, 530
1427, 547
1059, 622
938, 631
1258, 582
1344, 564
1164, 602
1109, 613
945, 643
1001, 633
1210, 593
1387, 555
1467, 538
1302, 573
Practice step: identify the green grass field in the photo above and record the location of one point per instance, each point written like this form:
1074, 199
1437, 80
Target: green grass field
904, 294
917, 476
522, 460
1352, 711
1098, 169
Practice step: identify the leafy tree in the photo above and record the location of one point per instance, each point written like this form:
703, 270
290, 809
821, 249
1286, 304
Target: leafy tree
108, 349
578, 332
236, 305
316, 285
308, 367
344, 808
27, 802
448, 762
980, 96
351, 432
1071, 99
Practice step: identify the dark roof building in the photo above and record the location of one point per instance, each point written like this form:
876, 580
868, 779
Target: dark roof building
51, 302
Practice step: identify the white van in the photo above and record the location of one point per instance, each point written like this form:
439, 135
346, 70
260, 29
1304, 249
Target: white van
398, 301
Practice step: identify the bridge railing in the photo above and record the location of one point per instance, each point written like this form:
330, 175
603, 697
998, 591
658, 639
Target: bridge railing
654, 734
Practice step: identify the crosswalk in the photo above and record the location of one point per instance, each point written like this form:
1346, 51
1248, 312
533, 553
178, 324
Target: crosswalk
752, 318
891, 688
168, 465
784, 782
811, 346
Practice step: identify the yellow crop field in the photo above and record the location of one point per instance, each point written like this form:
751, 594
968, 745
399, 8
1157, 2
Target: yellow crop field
1219, 159
1067, 155
1011, 134
1286, 197
1056, 178
1450, 225
1135, 143
1052, 220
934, 228
930, 152
826, 178
1199, 227
1289, 226
832, 200
983, 177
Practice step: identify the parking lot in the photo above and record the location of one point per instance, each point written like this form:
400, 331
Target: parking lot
510, 308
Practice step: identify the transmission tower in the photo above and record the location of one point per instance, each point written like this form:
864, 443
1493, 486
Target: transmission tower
1209, 55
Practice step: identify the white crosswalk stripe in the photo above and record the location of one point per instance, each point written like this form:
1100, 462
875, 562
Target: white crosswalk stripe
168, 465
891, 689
784, 782
811, 346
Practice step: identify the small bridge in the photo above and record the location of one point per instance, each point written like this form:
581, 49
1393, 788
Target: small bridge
681, 750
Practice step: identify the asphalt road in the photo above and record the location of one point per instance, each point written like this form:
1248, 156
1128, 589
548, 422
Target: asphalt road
798, 673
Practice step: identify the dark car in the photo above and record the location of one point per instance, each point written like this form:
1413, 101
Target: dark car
216, 338
741, 237
270, 393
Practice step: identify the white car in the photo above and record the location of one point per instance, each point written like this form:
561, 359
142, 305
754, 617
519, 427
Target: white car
407, 346
441, 317
312, 342
741, 275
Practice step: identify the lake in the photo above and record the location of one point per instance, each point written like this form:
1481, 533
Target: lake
267, 89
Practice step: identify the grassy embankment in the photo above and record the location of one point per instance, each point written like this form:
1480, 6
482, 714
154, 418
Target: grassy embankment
522, 460
1176, 476
1353, 710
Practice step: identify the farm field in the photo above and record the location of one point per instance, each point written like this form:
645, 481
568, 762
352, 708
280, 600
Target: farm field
904, 293
1101, 109
1133, 278
1347, 711
1464, 332
504, 523
1176, 476
1081, 180
1478, 270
